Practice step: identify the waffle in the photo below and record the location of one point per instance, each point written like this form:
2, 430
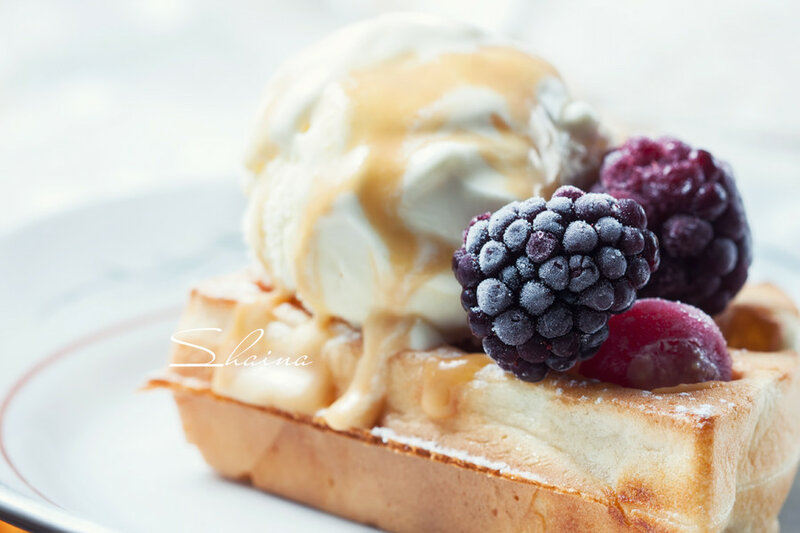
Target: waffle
462, 446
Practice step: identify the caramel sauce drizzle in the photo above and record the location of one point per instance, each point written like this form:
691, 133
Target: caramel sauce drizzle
387, 112
441, 379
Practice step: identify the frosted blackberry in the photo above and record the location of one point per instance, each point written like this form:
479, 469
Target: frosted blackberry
693, 206
541, 279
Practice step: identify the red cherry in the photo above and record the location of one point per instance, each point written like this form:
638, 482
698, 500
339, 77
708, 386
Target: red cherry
660, 343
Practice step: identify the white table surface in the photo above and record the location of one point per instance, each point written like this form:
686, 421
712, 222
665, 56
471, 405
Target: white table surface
104, 99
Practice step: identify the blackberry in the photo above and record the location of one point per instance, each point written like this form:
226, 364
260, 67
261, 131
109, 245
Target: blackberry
541, 279
694, 208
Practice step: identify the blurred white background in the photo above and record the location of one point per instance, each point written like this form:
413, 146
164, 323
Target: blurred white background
104, 99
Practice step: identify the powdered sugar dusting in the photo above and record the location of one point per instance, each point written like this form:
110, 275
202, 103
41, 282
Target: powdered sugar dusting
573, 383
704, 410
490, 372
387, 435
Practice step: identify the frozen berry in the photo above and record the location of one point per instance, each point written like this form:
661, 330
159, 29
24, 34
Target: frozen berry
516, 234
583, 273
480, 324
554, 322
511, 277
467, 270
579, 237
660, 343
591, 321
542, 245
540, 279
492, 257
501, 219
560, 205
555, 273
526, 267
593, 206
693, 206
568, 191
685, 235
531, 207
624, 295
549, 221
609, 229
599, 297
494, 296
611, 262
513, 327
535, 297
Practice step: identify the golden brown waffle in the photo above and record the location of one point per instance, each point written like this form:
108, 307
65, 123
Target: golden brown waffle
463, 446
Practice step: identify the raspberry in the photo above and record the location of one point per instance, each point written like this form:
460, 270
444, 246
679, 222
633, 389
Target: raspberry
694, 208
659, 343
540, 279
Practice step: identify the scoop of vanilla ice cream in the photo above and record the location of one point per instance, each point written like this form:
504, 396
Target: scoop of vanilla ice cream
375, 147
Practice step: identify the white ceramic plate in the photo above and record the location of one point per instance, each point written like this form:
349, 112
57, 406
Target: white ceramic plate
89, 300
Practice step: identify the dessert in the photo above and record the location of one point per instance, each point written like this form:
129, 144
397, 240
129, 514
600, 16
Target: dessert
444, 328
373, 150
463, 446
